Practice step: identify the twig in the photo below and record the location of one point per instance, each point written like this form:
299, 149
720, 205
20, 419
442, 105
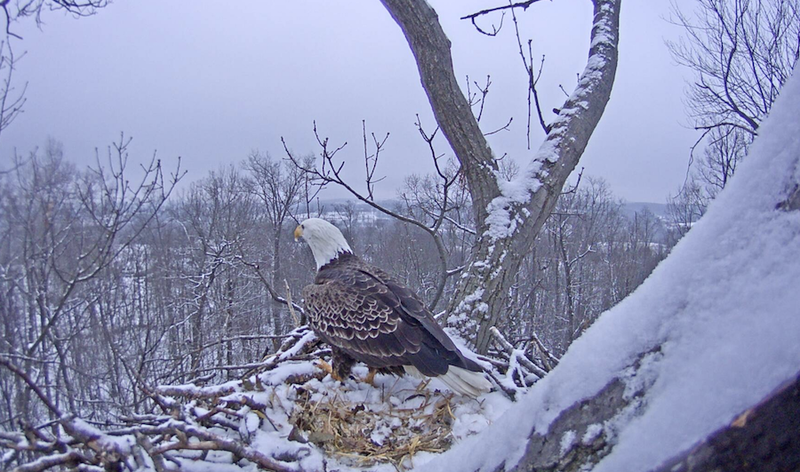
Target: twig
268, 285
290, 305
548, 359
523, 5
330, 172
523, 360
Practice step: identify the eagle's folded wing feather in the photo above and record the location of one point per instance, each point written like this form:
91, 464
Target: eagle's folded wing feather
359, 320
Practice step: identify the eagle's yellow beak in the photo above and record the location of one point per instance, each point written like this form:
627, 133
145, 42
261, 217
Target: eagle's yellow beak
298, 232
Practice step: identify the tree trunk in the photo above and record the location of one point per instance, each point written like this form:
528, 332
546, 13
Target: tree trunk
431, 49
763, 438
508, 216
698, 369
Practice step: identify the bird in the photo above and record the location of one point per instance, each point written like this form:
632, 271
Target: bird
367, 316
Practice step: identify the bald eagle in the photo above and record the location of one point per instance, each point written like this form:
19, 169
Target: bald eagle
366, 315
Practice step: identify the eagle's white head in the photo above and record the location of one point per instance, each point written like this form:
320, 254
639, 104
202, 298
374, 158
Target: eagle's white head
324, 239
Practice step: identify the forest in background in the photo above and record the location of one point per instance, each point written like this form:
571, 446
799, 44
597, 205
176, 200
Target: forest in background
112, 284
172, 288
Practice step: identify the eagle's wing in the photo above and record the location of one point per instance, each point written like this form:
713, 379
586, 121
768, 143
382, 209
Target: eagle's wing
358, 313
413, 309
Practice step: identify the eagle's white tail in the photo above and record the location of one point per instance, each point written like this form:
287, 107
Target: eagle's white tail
461, 381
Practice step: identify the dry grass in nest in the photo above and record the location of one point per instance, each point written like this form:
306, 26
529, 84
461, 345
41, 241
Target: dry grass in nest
422, 422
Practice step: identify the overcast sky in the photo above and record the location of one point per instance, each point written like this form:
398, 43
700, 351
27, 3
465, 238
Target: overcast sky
211, 81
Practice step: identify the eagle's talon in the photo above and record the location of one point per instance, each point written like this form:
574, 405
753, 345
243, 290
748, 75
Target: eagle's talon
370, 378
325, 367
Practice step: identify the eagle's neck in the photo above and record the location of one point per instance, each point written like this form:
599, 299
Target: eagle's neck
342, 258
328, 249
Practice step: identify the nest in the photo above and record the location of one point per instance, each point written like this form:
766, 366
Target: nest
364, 434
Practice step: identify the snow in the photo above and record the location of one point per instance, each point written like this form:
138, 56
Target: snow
723, 308
272, 428
293, 351
567, 441
279, 375
276, 445
251, 423
195, 466
502, 219
473, 417
593, 431
121, 444
465, 306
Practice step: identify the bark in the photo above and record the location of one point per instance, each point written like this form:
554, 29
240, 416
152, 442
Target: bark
544, 452
506, 222
764, 438
431, 49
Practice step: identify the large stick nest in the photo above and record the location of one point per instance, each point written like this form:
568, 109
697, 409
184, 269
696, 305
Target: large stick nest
365, 434
285, 415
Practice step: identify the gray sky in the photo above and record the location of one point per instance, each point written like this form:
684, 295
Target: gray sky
210, 84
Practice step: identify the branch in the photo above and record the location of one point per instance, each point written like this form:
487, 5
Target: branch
22, 375
523, 5
272, 293
548, 359
10, 108
47, 462
511, 351
533, 79
505, 127
431, 49
371, 161
331, 173
568, 135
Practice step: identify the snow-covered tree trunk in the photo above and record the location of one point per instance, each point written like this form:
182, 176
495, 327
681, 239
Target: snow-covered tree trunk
508, 215
698, 368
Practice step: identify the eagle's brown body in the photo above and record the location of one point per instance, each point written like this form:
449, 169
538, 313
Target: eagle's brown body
366, 316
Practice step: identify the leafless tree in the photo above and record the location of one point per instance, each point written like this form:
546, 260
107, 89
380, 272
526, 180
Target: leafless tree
724, 151
348, 215
507, 217
16, 10
589, 256
11, 100
217, 215
64, 230
278, 186
12, 97
685, 209
741, 53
